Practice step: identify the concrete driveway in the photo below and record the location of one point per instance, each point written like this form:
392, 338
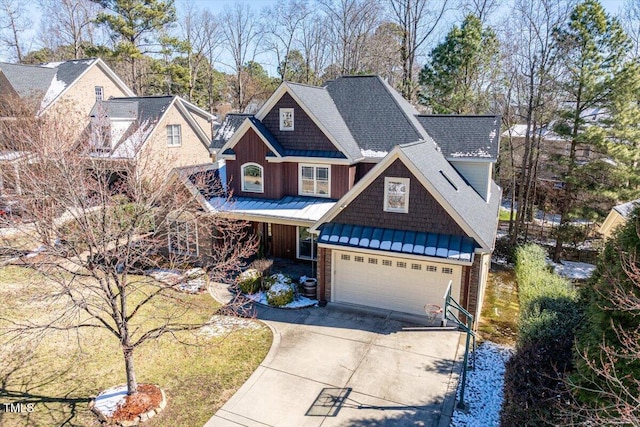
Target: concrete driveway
338, 366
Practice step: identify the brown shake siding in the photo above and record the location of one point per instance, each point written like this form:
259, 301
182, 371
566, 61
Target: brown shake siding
425, 213
362, 169
305, 136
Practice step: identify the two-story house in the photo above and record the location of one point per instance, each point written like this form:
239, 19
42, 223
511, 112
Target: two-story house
393, 206
164, 131
64, 92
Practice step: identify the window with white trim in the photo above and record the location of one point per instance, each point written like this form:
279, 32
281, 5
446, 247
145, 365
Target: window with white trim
286, 119
396, 194
183, 236
307, 244
174, 135
252, 178
314, 180
447, 270
99, 93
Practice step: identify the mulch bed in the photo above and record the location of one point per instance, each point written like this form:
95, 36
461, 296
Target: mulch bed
147, 398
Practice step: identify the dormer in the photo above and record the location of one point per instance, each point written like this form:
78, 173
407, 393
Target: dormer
469, 143
110, 120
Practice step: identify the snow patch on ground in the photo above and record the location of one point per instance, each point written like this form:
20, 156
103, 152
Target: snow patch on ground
483, 394
192, 280
573, 270
298, 302
221, 325
108, 401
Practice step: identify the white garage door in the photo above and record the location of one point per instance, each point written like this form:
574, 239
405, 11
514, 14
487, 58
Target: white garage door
391, 283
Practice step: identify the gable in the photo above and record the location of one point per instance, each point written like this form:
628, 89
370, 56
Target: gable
425, 213
306, 134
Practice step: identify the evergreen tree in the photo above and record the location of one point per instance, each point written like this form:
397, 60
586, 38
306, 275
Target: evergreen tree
608, 345
135, 26
593, 47
458, 75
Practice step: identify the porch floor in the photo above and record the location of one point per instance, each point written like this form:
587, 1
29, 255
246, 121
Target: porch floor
294, 268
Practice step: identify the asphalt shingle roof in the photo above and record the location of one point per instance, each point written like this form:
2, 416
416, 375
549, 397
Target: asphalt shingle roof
321, 104
377, 117
226, 130
479, 215
464, 136
37, 80
150, 108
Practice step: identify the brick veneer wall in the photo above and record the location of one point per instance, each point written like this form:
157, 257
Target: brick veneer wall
474, 287
324, 274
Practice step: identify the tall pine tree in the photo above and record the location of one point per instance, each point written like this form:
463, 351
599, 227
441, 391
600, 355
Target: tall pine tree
593, 47
459, 73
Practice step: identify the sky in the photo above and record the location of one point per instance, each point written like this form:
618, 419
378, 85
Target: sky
217, 6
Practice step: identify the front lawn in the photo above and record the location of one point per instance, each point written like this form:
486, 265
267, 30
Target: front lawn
62, 371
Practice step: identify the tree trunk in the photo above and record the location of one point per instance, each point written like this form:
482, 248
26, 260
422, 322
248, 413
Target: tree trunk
132, 384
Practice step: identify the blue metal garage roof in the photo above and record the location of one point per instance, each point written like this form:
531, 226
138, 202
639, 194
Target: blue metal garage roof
400, 241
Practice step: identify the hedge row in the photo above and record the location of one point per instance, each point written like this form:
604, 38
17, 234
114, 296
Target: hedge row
549, 316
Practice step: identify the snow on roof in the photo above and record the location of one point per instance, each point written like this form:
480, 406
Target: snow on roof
52, 64
373, 153
12, 155
480, 152
289, 207
55, 89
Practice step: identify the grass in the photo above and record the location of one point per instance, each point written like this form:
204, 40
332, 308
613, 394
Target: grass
504, 214
499, 318
62, 371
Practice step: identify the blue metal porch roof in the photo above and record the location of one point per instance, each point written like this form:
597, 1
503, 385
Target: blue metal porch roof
444, 246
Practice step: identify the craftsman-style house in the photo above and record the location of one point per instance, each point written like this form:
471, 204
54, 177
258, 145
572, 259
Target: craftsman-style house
393, 206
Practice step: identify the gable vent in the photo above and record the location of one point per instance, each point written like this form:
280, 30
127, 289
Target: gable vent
444, 175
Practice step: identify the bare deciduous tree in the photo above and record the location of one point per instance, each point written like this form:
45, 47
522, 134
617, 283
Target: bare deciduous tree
350, 24
102, 224
418, 20
241, 34
14, 22
68, 23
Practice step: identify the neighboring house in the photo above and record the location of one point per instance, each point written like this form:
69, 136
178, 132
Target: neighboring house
60, 91
392, 205
68, 89
617, 216
167, 131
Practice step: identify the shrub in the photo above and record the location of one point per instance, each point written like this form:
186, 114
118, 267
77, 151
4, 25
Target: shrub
549, 316
249, 281
279, 294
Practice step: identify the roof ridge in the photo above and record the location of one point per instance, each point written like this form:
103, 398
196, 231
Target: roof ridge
457, 115
387, 87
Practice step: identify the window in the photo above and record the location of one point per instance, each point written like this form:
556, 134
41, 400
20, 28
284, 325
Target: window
373, 260
432, 268
416, 267
252, 178
345, 257
358, 258
401, 264
396, 195
99, 93
314, 180
386, 262
286, 119
174, 138
183, 237
307, 244
447, 270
